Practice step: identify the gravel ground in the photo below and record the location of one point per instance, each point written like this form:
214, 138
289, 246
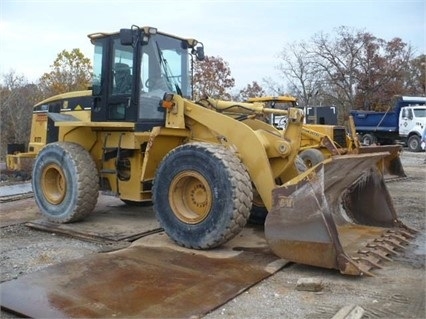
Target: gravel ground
398, 291
24, 250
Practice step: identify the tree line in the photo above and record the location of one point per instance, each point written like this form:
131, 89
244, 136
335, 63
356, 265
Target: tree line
350, 69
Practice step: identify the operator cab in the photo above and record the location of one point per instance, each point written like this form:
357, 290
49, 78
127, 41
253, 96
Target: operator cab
132, 71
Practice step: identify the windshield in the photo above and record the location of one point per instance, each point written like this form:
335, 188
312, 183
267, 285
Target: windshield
420, 112
165, 66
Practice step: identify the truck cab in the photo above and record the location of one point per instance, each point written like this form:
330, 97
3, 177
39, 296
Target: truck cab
412, 121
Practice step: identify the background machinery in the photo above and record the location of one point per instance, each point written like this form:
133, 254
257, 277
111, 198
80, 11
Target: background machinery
321, 141
138, 134
402, 122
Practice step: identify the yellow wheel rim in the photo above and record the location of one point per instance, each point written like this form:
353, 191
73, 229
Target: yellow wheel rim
53, 184
190, 197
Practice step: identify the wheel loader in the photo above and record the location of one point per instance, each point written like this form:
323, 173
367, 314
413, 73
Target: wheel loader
321, 141
138, 134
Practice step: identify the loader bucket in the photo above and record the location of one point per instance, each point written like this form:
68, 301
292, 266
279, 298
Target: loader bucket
391, 165
337, 215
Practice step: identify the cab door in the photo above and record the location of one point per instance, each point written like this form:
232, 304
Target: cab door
405, 121
115, 71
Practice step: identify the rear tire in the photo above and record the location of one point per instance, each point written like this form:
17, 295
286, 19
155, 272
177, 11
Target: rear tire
311, 157
414, 143
202, 195
368, 139
65, 182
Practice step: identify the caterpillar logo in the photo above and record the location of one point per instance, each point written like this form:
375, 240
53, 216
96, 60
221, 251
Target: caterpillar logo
78, 108
285, 201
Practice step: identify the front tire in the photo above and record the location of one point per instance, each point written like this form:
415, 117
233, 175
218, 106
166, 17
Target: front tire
202, 195
414, 143
65, 182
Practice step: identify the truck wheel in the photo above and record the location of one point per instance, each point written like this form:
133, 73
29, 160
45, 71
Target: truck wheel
65, 182
311, 157
414, 144
258, 211
368, 139
202, 195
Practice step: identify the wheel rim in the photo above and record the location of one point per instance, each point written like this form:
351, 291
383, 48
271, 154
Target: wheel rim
190, 197
414, 145
53, 184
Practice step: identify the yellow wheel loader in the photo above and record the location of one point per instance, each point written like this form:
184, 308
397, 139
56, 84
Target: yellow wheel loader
138, 134
321, 141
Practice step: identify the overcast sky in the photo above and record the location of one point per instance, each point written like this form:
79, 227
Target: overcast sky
247, 34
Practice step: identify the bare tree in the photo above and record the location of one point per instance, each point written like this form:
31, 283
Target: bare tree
351, 69
17, 99
272, 87
338, 60
300, 68
383, 72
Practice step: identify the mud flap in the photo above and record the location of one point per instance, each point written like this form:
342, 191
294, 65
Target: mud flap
339, 215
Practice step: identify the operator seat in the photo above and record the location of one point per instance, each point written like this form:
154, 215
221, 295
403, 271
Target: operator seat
123, 79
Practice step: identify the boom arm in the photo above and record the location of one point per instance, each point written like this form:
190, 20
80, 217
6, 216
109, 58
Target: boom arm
253, 146
240, 108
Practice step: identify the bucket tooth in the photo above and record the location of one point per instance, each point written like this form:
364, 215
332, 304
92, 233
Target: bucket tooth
376, 252
351, 266
397, 237
367, 258
384, 247
391, 242
405, 233
370, 260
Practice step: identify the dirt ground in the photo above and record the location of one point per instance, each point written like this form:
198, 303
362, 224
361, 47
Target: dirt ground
397, 291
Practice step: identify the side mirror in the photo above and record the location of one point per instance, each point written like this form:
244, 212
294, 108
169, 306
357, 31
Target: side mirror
126, 36
199, 53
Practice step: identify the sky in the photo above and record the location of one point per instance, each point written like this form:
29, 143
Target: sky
248, 35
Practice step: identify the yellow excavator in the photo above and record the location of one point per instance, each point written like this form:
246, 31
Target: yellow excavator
138, 134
